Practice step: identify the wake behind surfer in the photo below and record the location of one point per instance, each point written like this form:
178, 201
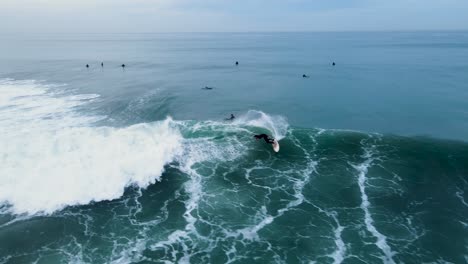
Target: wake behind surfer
265, 137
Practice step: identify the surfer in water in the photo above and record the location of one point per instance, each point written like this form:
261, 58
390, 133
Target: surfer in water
265, 137
230, 118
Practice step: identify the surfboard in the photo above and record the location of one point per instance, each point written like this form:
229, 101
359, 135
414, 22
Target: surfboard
275, 146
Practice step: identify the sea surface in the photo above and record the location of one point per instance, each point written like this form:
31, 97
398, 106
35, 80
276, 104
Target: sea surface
138, 164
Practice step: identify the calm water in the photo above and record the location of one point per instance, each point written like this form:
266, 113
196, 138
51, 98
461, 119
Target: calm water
136, 165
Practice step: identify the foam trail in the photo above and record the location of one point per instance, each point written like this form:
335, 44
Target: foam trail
251, 232
338, 255
194, 188
459, 194
195, 150
277, 125
369, 221
59, 159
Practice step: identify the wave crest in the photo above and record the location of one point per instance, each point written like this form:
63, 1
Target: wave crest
52, 157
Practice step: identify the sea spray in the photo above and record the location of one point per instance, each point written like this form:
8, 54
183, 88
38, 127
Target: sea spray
277, 125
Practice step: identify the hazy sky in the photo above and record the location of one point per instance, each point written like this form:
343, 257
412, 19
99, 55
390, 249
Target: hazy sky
95, 16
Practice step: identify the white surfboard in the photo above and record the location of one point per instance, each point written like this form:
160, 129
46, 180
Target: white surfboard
275, 146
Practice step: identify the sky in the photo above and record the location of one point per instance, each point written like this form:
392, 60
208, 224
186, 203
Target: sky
140, 16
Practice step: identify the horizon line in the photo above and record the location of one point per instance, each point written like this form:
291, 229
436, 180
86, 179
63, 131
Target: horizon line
252, 32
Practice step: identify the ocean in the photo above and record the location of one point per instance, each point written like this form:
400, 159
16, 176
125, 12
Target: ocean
138, 164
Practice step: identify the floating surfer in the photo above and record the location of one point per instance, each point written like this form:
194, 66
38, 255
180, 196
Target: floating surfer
305, 76
207, 88
230, 118
268, 140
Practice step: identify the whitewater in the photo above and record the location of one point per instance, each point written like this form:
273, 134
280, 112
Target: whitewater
64, 158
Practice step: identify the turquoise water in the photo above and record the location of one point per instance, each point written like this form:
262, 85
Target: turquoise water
137, 165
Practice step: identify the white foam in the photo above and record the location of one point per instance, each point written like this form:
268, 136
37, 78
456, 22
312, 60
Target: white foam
369, 221
277, 125
459, 194
196, 150
251, 232
29, 105
339, 254
52, 156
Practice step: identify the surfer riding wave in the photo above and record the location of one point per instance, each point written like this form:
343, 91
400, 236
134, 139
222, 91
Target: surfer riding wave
265, 137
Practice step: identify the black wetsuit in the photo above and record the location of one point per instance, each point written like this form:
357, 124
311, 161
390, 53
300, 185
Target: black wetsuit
266, 138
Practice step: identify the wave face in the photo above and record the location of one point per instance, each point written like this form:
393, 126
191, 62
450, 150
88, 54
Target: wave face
207, 192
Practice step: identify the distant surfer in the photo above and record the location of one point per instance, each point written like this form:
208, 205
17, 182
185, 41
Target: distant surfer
237, 63
123, 66
102, 64
230, 118
305, 76
333, 63
265, 137
87, 65
207, 88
